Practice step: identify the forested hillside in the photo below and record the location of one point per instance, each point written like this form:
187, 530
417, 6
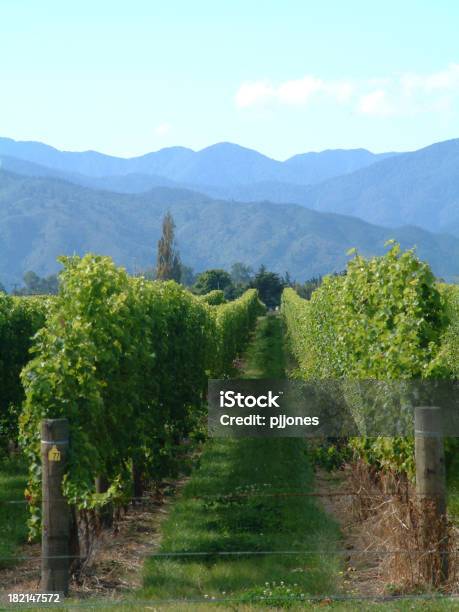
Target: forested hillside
43, 218
419, 188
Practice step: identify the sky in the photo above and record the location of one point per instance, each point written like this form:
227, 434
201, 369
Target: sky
279, 76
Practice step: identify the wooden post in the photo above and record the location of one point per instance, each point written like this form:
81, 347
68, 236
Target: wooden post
431, 493
55, 515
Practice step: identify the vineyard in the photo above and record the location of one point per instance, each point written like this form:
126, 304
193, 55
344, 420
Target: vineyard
386, 319
20, 319
127, 361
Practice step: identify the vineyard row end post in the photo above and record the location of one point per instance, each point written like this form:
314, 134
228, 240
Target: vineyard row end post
55, 510
431, 493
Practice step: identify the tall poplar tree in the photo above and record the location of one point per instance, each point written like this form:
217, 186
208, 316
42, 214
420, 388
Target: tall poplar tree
168, 266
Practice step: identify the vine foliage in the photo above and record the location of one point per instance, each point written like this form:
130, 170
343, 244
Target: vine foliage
126, 361
385, 319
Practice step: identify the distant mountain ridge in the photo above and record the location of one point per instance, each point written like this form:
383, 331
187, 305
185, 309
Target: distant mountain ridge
416, 188
220, 165
419, 188
44, 217
54, 202
129, 183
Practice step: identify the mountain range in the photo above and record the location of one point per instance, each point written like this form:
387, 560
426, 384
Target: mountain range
42, 218
391, 189
229, 203
418, 188
220, 165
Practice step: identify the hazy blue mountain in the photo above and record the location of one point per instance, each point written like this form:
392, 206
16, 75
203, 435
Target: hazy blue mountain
318, 167
42, 217
419, 188
87, 162
122, 183
139, 183
220, 165
269, 191
92, 163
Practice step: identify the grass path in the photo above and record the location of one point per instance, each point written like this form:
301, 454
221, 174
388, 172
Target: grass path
213, 517
225, 508
209, 518
13, 517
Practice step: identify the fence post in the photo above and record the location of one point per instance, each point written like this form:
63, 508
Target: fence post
431, 493
55, 510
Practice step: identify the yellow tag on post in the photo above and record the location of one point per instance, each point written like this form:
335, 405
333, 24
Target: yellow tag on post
54, 454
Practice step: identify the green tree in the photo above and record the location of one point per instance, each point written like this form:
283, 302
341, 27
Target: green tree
38, 285
212, 279
269, 285
306, 289
287, 281
241, 274
148, 273
168, 265
187, 276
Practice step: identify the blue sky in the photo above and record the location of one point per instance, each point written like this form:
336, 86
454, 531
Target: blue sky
283, 77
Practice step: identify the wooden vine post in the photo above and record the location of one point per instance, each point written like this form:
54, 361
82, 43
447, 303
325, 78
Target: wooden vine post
431, 494
55, 510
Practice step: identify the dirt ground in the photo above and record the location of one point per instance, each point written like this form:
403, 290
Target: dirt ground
116, 564
361, 573
117, 559
366, 572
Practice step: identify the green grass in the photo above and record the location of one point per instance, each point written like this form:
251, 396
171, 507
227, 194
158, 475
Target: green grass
207, 518
265, 356
210, 518
406, 605
224, 508
223, 522
13, 530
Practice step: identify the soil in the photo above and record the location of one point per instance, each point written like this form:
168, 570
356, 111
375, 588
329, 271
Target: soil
117, 560
364, 571
361, 573
118, 555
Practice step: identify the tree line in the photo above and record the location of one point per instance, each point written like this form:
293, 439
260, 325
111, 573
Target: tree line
169, 266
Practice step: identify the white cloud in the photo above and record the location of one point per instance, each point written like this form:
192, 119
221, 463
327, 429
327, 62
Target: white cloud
296, 92
381, 96
341, 91
412, 94
442, 81
251, 94
162, 129
375, 103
